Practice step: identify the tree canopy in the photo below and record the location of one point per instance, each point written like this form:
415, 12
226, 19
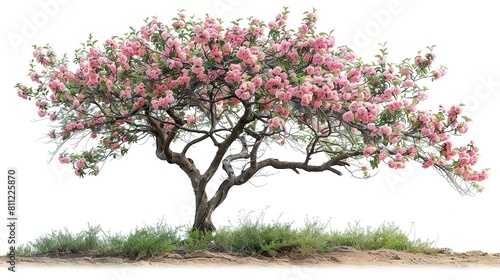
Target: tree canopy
240, 86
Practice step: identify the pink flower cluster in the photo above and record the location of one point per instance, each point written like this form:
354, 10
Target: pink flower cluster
249, 56
369, 150
74, 125
276, 122
234, 75
364, 111
64, 159
164, 101
467, 157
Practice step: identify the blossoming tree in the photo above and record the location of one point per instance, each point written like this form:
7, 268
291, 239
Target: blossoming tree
238, 88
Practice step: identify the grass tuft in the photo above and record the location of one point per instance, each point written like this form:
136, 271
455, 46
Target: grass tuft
253, 237
142, 243
63, 242
387, 236
249, 237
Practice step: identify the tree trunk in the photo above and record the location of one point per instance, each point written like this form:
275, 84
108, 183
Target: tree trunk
205, 208
203, 214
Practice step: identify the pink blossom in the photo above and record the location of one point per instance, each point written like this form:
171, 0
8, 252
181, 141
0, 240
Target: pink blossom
385, 130
401, 150
412, 151
434, 137
109, 84
428, 163
64, 159
455, 110
310, 70
71, 126
439, 73
405, 71
348, 116
139, 103
462, 128
399, 165
40, 103
22, 94
362, 114
355, 105
349, 56
382, 155
421, 96
459, 170
257, 81
140, 89
427, 131
80, 163
418, 60
233, 76
122, 59
284, 112
126, 92
163, 102
408, 84
369, 150
398, 157
275, 122
411, 108
323, 130
192, 119
306, 99
318, 59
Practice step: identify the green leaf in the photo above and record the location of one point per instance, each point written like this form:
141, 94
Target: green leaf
467, 119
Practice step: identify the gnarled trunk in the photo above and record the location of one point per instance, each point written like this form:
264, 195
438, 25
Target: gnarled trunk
203, 213
203, 219
205, 208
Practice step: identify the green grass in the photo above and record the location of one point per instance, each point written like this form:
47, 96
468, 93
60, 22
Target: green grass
63, 242
387, 236
249, 237
254, 237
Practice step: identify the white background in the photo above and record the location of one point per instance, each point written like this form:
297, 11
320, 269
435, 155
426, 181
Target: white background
139, 189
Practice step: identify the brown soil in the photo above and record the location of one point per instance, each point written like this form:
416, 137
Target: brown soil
289, 256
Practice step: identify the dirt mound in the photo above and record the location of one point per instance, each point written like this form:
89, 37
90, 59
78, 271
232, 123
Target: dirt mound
286, 256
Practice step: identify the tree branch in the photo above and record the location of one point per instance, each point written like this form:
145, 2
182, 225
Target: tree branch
295, 166
160, 141
191, 143
224, 146
226, 163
